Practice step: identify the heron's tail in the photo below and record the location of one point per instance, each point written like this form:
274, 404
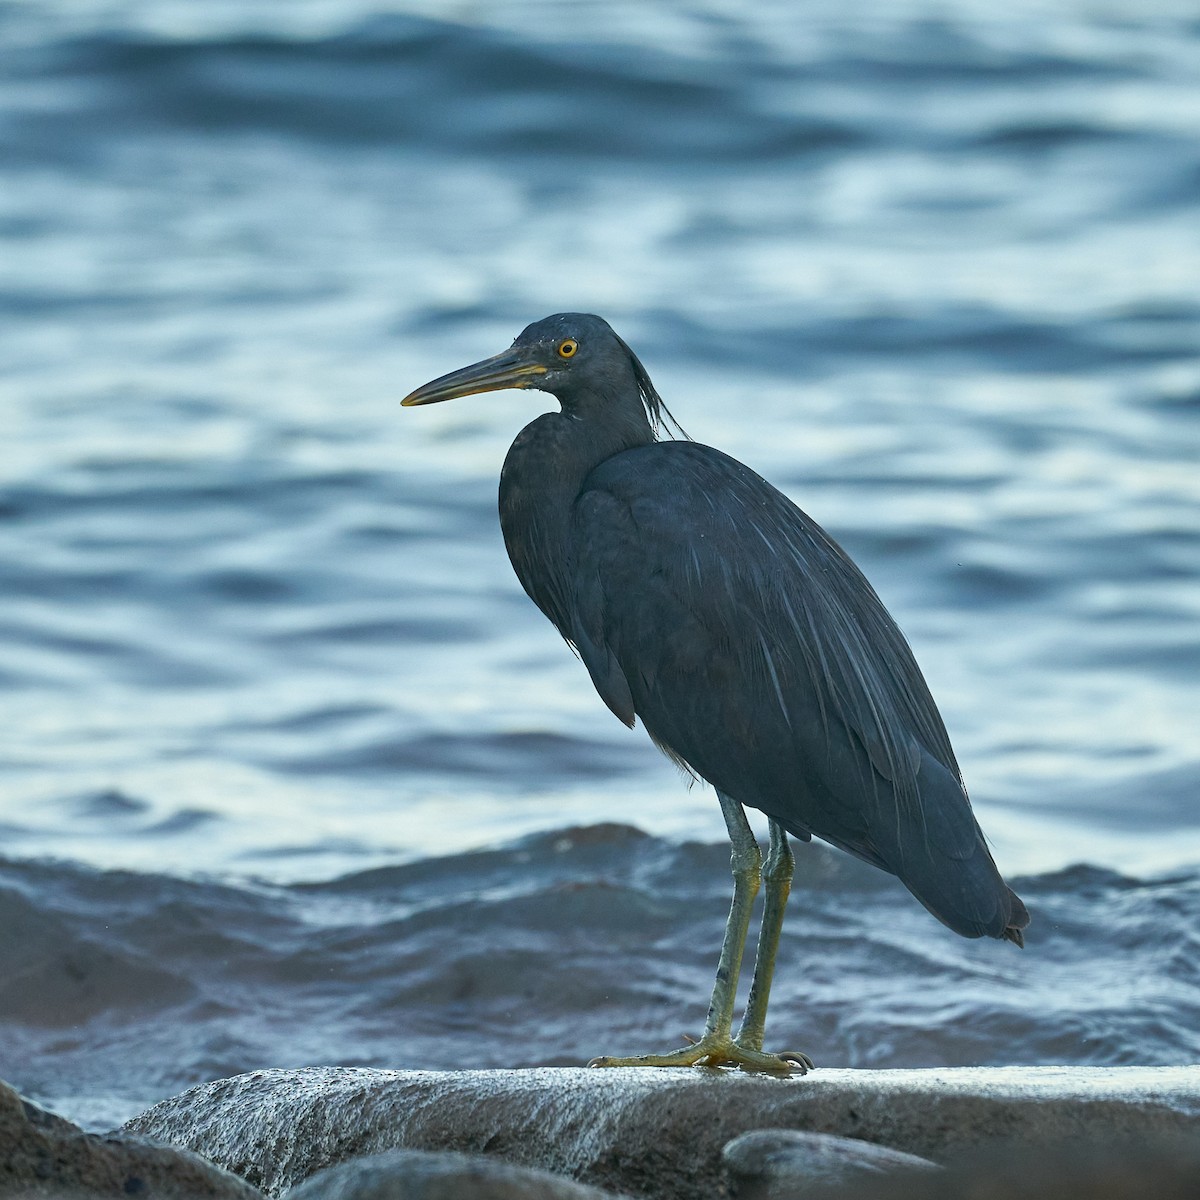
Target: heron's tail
970, 897
1017, 921
945, 862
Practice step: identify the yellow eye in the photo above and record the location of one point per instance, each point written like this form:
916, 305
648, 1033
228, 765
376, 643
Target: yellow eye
567, 349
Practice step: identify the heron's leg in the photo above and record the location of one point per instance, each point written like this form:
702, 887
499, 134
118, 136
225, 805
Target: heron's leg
745, 860
777, 886
716, 1047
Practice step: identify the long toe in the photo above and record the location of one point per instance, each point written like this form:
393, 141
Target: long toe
716, 1052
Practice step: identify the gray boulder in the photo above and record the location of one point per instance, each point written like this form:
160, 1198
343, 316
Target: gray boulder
787, 1164
427, 1175
43, 1155
654, 1133
1125, 1168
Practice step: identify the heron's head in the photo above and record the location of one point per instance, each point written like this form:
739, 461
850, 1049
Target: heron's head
573, 356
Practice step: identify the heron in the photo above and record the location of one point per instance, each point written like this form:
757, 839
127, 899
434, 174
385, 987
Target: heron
704, 603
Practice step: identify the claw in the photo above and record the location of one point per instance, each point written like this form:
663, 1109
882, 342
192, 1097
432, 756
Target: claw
795, 1062
801, 1060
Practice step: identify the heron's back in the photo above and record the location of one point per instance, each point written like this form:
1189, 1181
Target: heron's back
755, 652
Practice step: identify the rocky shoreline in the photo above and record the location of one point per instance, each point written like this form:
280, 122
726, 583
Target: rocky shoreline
357, 1134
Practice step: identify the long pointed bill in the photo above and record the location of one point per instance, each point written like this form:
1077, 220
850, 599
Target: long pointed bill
514, 368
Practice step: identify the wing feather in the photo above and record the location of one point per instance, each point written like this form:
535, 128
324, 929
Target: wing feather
755, 651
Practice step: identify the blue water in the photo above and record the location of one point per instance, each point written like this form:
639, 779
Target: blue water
931, 270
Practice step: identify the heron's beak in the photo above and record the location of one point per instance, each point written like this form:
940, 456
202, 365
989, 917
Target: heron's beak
516, 367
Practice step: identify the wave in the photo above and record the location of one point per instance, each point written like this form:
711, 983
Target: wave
432, 83
556, 947
407, 79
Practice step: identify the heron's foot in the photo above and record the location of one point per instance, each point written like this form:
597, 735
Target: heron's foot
715, 1050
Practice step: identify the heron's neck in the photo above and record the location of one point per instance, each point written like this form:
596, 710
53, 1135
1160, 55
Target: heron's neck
543, 475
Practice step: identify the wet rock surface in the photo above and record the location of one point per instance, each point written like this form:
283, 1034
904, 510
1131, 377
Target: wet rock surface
651, 1133
43, 1155
789, 1164
429, 1175
1127, 1168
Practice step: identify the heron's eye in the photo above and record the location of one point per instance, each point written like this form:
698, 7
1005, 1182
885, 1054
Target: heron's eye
567, 349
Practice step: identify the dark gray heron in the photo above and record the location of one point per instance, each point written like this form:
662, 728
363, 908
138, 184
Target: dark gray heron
758, 657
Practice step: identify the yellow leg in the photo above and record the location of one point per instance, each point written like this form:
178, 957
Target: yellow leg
777, 880
717, 1046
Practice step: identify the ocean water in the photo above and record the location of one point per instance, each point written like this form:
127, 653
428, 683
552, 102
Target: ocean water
290, 769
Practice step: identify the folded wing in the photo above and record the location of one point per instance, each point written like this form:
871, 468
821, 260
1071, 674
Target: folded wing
755, 653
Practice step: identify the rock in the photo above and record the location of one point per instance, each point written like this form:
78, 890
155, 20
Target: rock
1128, 1168
43, 1155
426, 1175
655, 1133
787, 1164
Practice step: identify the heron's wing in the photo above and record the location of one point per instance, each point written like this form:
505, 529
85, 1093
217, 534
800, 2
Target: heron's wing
756, 652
